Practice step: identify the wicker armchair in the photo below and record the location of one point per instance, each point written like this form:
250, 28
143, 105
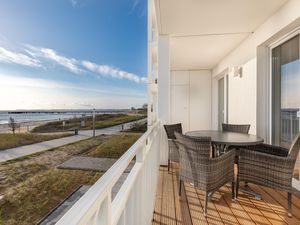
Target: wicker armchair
238, 128
197, 167
269, 166
173, 148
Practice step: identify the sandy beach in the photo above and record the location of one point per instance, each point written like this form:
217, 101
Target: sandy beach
24, 126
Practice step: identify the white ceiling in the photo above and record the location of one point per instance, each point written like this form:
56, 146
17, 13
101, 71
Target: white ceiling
205, 31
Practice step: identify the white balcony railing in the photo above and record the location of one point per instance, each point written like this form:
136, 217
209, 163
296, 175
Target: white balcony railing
134, 202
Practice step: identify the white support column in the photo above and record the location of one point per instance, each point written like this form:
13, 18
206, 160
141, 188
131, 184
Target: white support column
164, 98
152, 63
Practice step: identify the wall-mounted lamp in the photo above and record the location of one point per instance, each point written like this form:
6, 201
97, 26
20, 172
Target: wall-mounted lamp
237, 71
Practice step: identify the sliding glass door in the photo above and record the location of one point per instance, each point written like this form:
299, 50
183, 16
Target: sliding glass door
286, 93
222, 101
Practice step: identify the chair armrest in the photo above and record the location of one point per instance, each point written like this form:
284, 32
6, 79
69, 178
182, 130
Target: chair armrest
224, 163
266, 161
269, 149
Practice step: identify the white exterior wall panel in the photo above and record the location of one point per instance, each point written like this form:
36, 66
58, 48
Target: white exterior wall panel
200, 100
191, 99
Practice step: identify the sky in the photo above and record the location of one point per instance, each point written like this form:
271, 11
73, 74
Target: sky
290, 83
73, 54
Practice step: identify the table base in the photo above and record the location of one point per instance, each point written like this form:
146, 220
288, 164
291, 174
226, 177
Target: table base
248, 191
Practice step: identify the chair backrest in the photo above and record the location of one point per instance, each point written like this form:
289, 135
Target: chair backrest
194, 155
237, 128
295, 147
171, 129
193, 148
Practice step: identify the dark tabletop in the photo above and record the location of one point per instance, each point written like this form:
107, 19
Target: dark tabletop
227, 138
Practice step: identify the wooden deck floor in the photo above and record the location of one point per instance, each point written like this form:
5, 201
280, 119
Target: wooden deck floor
170, 209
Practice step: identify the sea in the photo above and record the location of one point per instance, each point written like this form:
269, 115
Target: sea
39, 116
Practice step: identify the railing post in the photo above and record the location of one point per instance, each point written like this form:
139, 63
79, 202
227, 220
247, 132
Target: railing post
122, 219
103, 215
141, 154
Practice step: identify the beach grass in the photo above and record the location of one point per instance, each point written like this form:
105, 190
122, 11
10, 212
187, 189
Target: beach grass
15, 140
31, 200
115, 147
101, 121
18, 170
32, 187
138, 127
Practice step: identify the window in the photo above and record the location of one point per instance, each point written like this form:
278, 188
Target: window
285, 92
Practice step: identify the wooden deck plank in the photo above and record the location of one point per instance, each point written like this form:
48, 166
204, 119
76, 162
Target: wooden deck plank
274, 205
195, 206
240, 214
176, 196
213, 217
282, 201
187, 209
158, 202
225, 212
267, 212
168, 204
295, 199
251, 209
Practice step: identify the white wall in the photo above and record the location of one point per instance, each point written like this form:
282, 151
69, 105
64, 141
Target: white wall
180, 87
200, 100
191, 99
246, 55
242, 97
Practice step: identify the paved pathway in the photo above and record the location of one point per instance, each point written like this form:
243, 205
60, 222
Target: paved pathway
18, 152
91, 163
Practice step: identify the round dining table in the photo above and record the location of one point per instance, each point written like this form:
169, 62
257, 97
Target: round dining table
227, 138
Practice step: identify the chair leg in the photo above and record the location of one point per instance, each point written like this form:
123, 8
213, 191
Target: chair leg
289, 204
168, 165
180, 186
232, 190
237, 186
237, 183
205, 203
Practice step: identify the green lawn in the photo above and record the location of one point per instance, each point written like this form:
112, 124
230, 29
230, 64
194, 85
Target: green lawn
11, 141
115, 146
102, 121
30, 201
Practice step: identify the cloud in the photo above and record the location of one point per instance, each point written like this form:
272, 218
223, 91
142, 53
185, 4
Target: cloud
52, 55
17, 91
112, 72
31, 83
8, 56
39, 56
135, 4
74, 3
19, 81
